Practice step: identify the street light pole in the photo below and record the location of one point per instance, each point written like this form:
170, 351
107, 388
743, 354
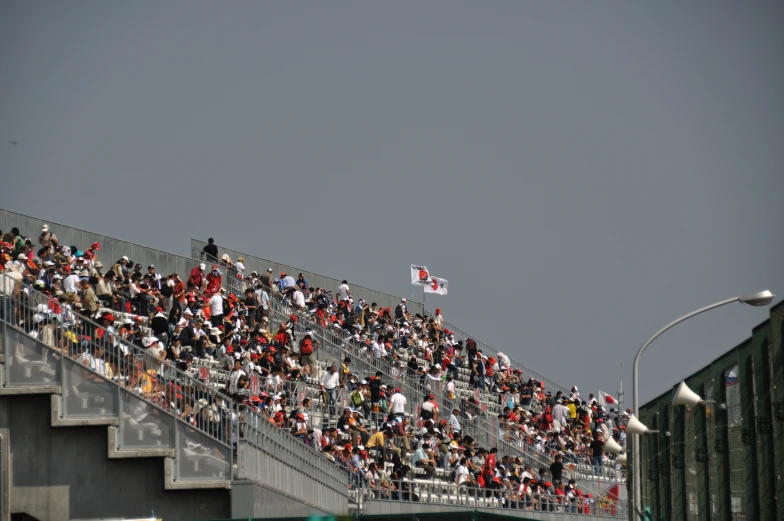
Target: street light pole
762, 298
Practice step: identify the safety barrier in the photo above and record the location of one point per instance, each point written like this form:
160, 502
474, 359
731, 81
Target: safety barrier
46, 344
102, 376
272, 457
381, 496
488, 350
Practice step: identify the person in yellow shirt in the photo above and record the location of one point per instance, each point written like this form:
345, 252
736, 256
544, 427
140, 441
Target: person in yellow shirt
345, 371
572, 410
379, 441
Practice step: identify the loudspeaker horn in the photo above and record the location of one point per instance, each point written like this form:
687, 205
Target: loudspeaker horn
621, 459
635, 426
685, 396
611, 446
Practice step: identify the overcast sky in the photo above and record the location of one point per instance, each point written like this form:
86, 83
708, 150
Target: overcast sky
581, 172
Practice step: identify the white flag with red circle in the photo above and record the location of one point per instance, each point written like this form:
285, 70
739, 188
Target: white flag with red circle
606, 399
419, 275
436, 285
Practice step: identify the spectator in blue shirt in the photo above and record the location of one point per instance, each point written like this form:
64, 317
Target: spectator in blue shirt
420, 460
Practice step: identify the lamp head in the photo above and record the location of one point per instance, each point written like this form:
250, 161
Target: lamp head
760, 298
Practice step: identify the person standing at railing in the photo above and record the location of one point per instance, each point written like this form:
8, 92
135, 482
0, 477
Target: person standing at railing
210, 250
397, 405
329, 385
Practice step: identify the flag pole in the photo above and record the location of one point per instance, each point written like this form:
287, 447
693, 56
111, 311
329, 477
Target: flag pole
424, 311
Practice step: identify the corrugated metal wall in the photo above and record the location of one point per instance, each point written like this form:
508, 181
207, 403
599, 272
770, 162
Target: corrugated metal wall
722, 461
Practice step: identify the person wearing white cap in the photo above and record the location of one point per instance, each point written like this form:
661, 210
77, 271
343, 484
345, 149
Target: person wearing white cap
46, 238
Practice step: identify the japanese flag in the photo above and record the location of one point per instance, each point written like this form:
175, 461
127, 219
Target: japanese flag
606, 399
419, 275
437, 286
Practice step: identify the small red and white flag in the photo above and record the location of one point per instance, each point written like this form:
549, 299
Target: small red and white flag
437, 286
606, 399
419, 275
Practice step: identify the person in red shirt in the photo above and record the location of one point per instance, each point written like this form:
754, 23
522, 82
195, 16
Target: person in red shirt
196, 278
90, 253
488, 471
214, 280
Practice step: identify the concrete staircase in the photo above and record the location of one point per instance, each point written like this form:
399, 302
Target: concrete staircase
95, 450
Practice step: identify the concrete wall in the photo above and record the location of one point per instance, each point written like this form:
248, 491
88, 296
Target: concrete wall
58, 474
251, 500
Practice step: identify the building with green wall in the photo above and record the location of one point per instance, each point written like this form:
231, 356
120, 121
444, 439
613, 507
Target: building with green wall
722, 460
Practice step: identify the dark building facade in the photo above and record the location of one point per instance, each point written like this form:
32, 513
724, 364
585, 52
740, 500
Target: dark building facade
723, 460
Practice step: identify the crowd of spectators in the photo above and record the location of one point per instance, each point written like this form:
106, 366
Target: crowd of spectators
177, 318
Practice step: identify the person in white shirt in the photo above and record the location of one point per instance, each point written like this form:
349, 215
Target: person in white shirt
397, 404
70, 284
560, 412
343, 291
450, 387
438, 319
262, 302
330, 381
216, 309
299, 298
454, 422
462, 476
234, 378
240, 266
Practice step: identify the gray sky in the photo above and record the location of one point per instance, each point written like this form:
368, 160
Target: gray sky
582, 173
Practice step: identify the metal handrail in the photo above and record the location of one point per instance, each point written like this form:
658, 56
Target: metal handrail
480, 425
529, 454
390, 491
116, 351
286, 459
489, 350
196, 253
341, 344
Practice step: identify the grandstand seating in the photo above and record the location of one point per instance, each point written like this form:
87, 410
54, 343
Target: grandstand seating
126, 326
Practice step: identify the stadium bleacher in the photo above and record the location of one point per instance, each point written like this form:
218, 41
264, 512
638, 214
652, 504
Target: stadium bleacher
243, 341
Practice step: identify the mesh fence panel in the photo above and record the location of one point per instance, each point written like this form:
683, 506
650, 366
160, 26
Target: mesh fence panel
143, 426
690, 468
735, 443
713, 462
29, 363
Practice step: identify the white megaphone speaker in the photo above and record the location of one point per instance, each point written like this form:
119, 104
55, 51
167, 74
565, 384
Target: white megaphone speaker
685, 396
635, 426
621, 460
611, 446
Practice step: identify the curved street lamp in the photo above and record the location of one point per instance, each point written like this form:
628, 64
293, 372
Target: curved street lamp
760, 298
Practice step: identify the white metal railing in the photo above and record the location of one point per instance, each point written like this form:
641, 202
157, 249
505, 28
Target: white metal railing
382, 493
102, 375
